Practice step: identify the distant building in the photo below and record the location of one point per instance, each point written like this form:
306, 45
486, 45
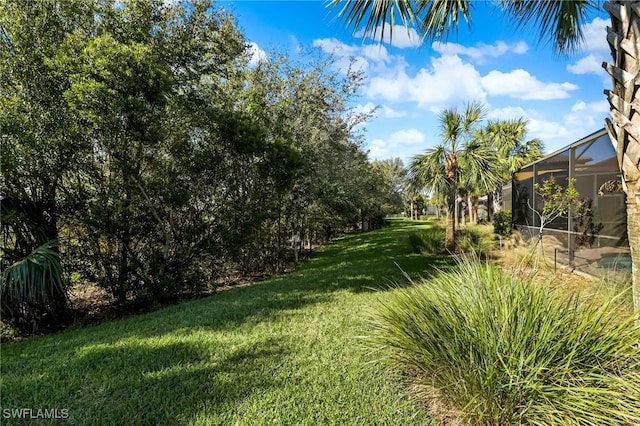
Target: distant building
595, 239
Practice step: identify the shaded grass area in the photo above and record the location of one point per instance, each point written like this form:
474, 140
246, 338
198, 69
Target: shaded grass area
283, 351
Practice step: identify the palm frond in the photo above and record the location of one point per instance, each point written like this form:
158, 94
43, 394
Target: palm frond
35, 278
557, 21
427, 171
507, 135
474, 113
451, 126
376, 14
478, 171
440, 17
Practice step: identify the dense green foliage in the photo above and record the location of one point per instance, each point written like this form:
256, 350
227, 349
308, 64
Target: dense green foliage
477, 240
138, 135
427, 241
474, 239
502, 223
503, 350
282, 351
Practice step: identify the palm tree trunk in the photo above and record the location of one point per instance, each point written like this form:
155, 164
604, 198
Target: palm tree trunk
450, 230
633, 231
624, 128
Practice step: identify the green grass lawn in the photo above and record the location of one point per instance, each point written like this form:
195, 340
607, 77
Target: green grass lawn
283, 351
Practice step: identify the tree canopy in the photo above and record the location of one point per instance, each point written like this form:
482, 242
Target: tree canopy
138, 140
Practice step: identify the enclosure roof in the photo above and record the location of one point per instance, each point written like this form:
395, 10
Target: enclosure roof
579, 142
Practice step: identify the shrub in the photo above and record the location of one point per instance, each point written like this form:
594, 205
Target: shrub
415, 241
502, 350
474, 239
502, 223
429, 241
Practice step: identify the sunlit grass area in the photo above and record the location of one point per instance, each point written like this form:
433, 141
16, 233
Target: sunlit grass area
283, 351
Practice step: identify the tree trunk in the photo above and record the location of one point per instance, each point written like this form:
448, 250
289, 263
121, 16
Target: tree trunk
624, 128
473, 209
456, 211
633, 230
450, 230
491, 206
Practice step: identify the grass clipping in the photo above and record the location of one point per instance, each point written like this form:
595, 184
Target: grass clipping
499, 350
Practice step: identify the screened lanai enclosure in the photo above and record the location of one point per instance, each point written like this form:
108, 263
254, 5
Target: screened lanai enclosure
592, 238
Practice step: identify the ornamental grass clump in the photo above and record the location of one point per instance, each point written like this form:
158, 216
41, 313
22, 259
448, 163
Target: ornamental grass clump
428, 241
501, 350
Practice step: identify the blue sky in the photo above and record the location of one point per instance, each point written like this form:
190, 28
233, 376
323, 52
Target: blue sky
410, 82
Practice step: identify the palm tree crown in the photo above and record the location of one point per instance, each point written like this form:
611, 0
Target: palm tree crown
459, 161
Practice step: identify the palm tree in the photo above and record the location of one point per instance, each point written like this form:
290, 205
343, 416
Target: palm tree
507, 137
560, 22
459, 161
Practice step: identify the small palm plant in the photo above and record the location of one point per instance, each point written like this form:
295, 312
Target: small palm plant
31, 284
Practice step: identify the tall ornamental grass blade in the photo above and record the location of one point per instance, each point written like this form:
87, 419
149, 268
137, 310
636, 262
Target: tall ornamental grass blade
505, 350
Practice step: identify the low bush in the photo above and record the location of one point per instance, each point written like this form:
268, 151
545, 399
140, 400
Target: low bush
502, 223
429, 241
474, 239
501, 350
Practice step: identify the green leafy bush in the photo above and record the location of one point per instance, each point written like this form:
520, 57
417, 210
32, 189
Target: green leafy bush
502, 350
502, 223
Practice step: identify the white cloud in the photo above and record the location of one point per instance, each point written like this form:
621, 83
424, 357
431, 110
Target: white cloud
376, 53
587, 65
346, 56
448, 79
399, 36
522, 85
384, 110
520, 48
481, 50
367, 108
537, 126
601, 106
335, 46
395, 144
388, 112
579, 106
595, 35
392, 89
595, 44
378, 149
587, 115
257, 54
510, 112
408, 136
